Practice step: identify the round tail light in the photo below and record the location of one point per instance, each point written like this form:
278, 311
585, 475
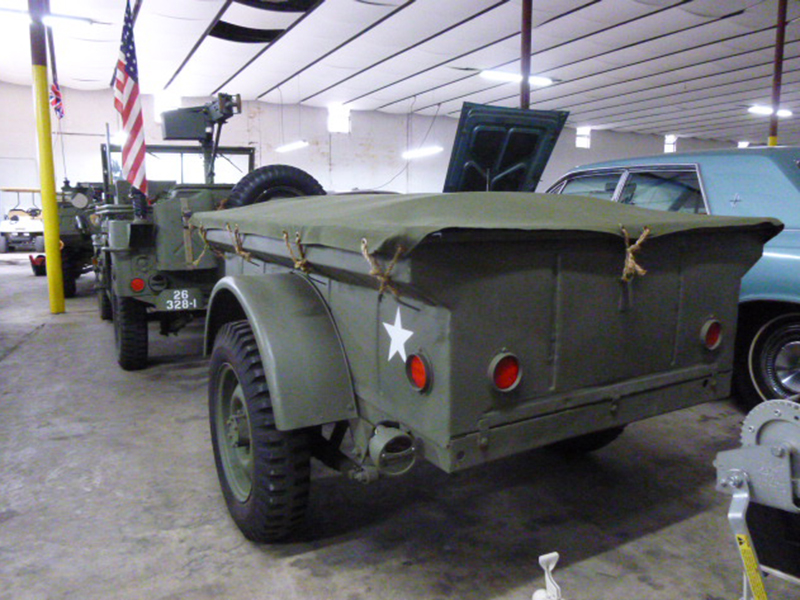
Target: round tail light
419, 373
137, 284
505, 372
711, 334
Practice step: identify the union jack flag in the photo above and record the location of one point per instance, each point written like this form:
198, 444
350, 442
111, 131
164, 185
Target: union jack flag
126, 101
56, 101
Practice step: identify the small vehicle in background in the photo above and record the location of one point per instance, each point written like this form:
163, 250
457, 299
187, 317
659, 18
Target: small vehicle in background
22, 226
737, 182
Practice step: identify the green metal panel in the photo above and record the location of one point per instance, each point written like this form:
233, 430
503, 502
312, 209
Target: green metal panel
178, 246
307, 372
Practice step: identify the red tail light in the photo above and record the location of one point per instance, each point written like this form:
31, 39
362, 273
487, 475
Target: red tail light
418, 372
137, 284
505, 372
711, 334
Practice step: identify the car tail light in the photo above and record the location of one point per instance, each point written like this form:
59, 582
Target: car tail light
419, 373
505, 372
137, 284
711, 334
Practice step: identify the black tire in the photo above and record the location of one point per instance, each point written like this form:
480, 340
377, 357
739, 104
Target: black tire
104, 306
70, 285
273, 181
588, 442
39, 267
38, 243
768, 360
130, 333
264, 473
3, 244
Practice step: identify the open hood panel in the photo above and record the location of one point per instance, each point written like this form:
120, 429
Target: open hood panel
502, 149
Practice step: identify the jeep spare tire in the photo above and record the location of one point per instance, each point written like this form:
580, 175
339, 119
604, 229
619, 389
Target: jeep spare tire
273, 181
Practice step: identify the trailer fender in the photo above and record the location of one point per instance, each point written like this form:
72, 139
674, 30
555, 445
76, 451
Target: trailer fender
306, 368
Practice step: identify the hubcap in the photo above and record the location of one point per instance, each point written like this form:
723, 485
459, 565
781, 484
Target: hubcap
787, 366
233, 434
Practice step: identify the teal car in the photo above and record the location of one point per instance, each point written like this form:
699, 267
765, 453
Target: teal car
761, 182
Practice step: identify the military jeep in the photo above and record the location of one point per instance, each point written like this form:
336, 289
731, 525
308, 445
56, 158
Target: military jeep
372, 332
151, 264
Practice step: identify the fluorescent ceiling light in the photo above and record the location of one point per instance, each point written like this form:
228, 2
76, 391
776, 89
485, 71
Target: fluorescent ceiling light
52, 19
760, 109
422, 152
292, 146
505, 76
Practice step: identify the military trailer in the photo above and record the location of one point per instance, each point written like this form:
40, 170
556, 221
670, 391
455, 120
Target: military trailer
151, 264
376, 331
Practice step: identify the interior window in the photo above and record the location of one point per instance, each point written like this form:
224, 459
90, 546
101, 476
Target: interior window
664, 190
599, 185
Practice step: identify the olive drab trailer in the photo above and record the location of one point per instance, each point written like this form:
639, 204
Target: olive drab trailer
151, 264
371, 332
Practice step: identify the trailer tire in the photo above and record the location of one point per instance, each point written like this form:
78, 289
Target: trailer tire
264, 473
130, 333
589, 442
273, 181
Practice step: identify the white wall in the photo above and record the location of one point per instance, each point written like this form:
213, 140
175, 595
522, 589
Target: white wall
367, 158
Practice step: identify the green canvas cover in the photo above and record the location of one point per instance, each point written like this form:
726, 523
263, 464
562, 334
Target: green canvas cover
389, 220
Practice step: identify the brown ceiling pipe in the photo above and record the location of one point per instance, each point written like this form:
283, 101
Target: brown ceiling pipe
780, 35
525, 55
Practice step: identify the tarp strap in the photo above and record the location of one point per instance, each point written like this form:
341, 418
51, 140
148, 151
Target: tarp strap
300, 263
384, 277
632, 269
238, 243
206, 245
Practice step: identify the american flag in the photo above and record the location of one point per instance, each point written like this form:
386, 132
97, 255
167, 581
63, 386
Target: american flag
126, 101
56, 101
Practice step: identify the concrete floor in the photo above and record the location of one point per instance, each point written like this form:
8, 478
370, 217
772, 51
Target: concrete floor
108, 490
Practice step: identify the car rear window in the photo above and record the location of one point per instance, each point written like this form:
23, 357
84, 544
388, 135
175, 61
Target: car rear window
677, 191
597, 185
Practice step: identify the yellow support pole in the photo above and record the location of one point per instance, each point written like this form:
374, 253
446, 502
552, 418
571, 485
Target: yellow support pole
52, 235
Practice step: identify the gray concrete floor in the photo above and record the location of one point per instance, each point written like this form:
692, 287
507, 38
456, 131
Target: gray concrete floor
108, 490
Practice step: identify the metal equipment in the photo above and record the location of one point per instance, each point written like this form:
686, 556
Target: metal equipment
764, 475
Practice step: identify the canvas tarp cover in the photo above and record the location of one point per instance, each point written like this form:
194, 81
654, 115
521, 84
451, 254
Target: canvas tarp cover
386, 220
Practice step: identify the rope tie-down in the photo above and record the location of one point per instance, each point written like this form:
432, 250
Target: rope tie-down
383, 276
632, 268
237, 243
300, 262
206, 245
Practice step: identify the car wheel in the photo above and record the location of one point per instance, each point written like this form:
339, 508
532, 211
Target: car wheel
773, 359
3, 244
104, 305
588, 442
130, 333
273, 181
38, 243
70, 285
264, 473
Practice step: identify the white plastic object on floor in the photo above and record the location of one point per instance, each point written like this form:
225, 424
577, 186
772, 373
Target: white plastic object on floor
551, 591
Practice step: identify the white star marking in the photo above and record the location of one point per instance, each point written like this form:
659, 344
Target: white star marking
398, 337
